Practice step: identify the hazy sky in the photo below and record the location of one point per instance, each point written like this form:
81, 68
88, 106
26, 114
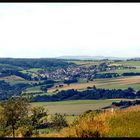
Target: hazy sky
57, 29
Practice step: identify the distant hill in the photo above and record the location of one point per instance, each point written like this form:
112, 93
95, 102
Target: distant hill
91, 57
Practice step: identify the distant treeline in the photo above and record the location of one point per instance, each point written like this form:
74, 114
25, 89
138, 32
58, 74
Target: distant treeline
126, 103
90, 93
106, 75
113, 75
7, 90
131, 74
35, 63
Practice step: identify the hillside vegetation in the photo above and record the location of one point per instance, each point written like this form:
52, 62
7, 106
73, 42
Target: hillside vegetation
120, 123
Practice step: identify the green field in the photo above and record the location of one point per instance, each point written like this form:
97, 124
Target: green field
31, 70
113, 86
120, 71
129, 63
74, 107
33, 89
125, 63
92, 62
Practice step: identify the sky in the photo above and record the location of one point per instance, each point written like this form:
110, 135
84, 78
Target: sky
41, 30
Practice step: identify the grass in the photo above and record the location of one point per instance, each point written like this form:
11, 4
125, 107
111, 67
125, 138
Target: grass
70, 119
125, 123
120, 123
73, 102
13, 82
120, 71
120, 86
13, 79
31, 70
74, 107
121, 83
129, 63
10, 66
124, 63
33, 89
46, 130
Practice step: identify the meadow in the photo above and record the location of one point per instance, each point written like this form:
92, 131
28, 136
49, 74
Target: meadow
120, 71
74, 107
119, 123
128, 63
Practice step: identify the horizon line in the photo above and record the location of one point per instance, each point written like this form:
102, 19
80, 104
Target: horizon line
60, 57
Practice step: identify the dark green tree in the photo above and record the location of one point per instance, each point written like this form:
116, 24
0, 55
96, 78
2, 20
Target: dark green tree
14, 111
37, 113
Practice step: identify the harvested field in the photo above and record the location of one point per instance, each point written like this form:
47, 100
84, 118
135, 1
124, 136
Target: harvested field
102, 83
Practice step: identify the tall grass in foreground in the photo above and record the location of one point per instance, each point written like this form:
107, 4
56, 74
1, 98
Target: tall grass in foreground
126, 123
120, 123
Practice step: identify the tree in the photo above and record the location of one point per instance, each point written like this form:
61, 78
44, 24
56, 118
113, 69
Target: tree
138, 93
131, 90
14, 111
70, 81
36, 118
3, 131
44, 88
59, 121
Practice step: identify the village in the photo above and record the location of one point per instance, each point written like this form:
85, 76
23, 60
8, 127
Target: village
79, 72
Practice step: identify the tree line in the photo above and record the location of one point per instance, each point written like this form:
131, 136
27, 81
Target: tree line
89, 93
27, 63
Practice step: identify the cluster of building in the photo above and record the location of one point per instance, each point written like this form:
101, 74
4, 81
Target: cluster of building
80, 72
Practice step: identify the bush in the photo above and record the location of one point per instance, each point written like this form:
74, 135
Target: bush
90, 124
58, 121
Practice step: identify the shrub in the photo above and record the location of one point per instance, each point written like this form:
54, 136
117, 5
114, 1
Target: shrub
88, 125
58, 121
